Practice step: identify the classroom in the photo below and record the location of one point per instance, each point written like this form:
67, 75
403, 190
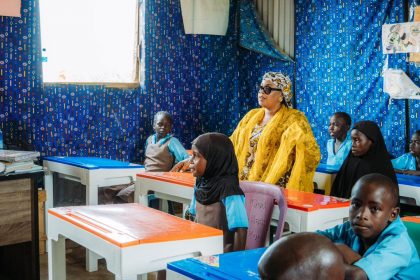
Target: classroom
209, 139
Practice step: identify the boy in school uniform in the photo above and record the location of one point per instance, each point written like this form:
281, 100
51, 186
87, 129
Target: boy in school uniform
305, 255
162, 149
409, 163
374, 242
338, 147
162, 152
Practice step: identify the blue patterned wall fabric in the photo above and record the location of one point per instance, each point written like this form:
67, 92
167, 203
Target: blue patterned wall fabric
207, 82
253, 35
414, 74
339, 63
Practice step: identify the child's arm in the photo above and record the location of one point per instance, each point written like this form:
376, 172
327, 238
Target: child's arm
348, 254
410, 172
177, 150
350, 257
240, 239
354, 273
237, 219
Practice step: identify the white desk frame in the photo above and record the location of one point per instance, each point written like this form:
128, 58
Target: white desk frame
92, 179
410, 191
127, 263
298, 220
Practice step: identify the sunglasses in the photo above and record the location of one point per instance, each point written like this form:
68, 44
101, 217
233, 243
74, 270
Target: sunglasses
267, 90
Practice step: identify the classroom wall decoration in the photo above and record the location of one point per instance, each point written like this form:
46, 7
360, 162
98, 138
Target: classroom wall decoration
207, 82
339, 64
401, 37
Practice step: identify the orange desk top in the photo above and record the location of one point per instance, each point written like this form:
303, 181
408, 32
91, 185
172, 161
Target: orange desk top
303, 201
412, 219
306, 201
132, 224
180, 178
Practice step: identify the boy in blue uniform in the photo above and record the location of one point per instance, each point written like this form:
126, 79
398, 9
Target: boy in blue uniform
162, 152
339, 146
409, 163
374, 242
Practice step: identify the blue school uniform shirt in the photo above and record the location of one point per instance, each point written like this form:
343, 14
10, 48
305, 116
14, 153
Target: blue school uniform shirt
337, 159
405, 162
175, 147
392, 256
235, 211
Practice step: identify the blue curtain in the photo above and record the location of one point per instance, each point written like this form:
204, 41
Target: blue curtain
253, 35
339, 63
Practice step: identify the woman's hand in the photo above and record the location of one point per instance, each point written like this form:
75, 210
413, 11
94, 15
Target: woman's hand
181, 166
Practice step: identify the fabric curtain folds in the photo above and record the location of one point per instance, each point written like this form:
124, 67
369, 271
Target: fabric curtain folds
252, 34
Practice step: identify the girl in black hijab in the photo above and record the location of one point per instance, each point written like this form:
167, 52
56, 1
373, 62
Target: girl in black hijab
218, 200
368, 155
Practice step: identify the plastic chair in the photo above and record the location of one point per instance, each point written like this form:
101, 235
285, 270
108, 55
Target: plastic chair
260, 200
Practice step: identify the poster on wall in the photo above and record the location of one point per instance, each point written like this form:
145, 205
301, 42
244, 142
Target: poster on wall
415, 57
10, 8
401, 38
399, 86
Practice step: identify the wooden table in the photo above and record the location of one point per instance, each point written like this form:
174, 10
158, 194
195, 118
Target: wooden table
19, 240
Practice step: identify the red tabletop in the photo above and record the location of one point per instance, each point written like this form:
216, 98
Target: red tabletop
132, 224
306, 201
412, 219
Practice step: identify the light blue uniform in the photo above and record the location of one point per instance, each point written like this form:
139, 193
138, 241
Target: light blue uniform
392, 256
405, 162
175, 147
235, 211
337, 159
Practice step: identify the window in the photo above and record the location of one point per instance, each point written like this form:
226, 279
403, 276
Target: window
90, 41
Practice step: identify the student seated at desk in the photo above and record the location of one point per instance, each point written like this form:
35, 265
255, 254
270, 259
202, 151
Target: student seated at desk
339, 146
409, 163
368, 155
218, 200
162, 152
306, 256
374, 242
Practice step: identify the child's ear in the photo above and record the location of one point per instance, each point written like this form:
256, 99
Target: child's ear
394, 214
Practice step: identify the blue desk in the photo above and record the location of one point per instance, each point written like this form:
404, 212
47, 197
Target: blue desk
92, 172
409, 186
236, 265
324, 177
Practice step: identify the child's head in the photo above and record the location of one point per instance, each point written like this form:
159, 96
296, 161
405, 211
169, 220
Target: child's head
213, 155
374, 205
162, 123
415, 144
340, 123
366, 136
302, 256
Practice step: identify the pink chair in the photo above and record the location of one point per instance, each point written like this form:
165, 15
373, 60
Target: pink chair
260, 201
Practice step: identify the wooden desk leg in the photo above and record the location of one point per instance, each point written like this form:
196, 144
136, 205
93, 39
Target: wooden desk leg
57, 259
